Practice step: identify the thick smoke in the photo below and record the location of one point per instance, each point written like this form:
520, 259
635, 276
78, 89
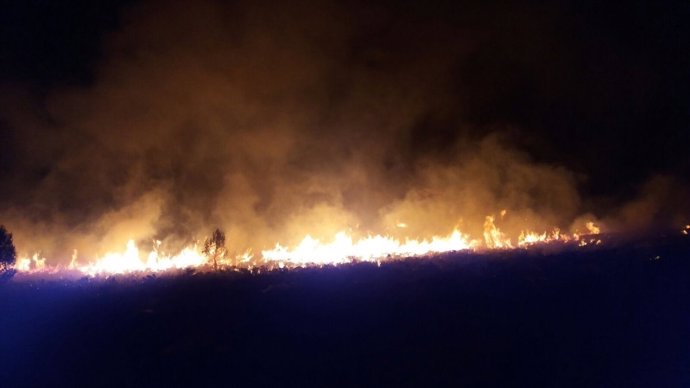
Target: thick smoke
272, 122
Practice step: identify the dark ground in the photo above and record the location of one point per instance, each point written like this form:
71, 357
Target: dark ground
611, 317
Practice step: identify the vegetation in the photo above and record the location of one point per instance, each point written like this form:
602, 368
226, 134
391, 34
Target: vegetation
214, 248
8, 254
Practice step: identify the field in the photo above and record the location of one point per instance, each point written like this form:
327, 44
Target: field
600, 317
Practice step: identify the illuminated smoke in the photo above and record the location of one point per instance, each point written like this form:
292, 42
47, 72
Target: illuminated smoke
236, 116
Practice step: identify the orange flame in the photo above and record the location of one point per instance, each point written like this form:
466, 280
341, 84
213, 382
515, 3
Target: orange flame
341, 249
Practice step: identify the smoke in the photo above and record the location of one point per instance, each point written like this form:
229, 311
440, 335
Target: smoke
271, 122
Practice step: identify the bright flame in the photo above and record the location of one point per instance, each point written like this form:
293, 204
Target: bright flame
493, 237
131, 261
591, 228
343, 248
23, 264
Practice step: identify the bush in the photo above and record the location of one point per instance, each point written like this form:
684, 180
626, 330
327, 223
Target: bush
214, 248
8, 254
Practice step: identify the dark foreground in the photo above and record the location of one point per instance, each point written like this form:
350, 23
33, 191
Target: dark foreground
614, 317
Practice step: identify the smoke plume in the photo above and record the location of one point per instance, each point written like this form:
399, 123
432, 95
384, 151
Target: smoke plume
273, 122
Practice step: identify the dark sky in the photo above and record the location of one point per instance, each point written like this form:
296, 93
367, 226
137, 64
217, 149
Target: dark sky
597, 92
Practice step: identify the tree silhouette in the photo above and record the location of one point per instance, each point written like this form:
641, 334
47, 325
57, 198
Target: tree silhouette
214, 247
8, 254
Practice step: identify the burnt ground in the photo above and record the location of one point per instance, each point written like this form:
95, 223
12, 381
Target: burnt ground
599, 317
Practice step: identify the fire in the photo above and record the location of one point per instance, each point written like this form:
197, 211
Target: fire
33, 263
342, 248
116, 263
493, 237
591, 228
131, 261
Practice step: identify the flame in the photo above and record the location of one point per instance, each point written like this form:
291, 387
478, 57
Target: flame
342, 248
113, 263
493, 237
131, 261
23, 264
591, 228
31, 264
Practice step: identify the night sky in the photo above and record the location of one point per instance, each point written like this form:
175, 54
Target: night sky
165, 119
